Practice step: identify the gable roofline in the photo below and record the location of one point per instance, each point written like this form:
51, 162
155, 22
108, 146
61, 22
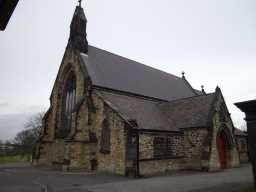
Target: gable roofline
58, 73
62, 63
77, 44
187, 98
189, 85
212, 109
123, 117
218, 93
225, 104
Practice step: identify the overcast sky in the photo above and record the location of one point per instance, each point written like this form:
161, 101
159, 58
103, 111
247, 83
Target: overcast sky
213, 41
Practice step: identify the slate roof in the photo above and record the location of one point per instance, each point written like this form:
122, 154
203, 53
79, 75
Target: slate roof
189, 112
164, 116
145, 112
180, 106
118, 73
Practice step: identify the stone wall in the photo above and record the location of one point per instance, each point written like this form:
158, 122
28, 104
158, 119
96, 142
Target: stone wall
194, 147
79, 152
81, 147
241, 142
160, 166
146, 146
44, 154
150, 164
222, 121
114, 162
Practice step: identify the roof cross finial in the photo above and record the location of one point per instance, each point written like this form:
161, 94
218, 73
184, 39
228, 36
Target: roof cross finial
80, 2
203, 91
183, 74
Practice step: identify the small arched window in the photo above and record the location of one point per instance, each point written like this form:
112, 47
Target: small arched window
69, 100
105, 138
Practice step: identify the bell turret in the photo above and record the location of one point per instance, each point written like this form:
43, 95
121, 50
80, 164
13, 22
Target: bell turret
78, 36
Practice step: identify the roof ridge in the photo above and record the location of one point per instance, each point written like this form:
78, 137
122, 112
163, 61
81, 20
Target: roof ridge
189, 85
187, 98
115, 54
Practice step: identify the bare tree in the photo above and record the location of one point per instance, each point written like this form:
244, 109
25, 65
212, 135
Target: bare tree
28, 137
35, 124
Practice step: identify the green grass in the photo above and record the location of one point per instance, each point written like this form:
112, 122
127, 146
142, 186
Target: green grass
248, 190
14, 159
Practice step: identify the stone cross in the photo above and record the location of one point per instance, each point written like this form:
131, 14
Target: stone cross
80, 2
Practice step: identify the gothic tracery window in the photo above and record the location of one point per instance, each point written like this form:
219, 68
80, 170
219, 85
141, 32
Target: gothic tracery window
69, 100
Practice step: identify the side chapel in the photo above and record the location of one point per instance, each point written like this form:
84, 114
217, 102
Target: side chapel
111, 114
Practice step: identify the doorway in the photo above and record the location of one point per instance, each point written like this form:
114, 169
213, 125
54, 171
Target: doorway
222, 150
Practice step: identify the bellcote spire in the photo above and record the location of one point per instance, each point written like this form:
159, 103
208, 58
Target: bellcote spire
78, 36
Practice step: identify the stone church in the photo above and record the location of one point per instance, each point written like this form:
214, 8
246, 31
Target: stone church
111, 114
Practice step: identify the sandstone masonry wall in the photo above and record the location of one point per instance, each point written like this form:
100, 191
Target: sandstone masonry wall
149, 164
194, 147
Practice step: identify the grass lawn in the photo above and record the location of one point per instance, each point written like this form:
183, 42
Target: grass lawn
14, 159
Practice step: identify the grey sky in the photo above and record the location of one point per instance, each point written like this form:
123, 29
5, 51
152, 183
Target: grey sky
214, 42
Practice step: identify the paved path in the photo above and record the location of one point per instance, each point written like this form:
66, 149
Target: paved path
231, 180
27, 179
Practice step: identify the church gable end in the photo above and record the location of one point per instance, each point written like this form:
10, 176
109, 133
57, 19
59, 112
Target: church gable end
223, 151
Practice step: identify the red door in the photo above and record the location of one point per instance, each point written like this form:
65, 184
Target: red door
221, 149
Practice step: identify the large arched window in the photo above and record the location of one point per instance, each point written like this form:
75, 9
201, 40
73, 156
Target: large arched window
69, 100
